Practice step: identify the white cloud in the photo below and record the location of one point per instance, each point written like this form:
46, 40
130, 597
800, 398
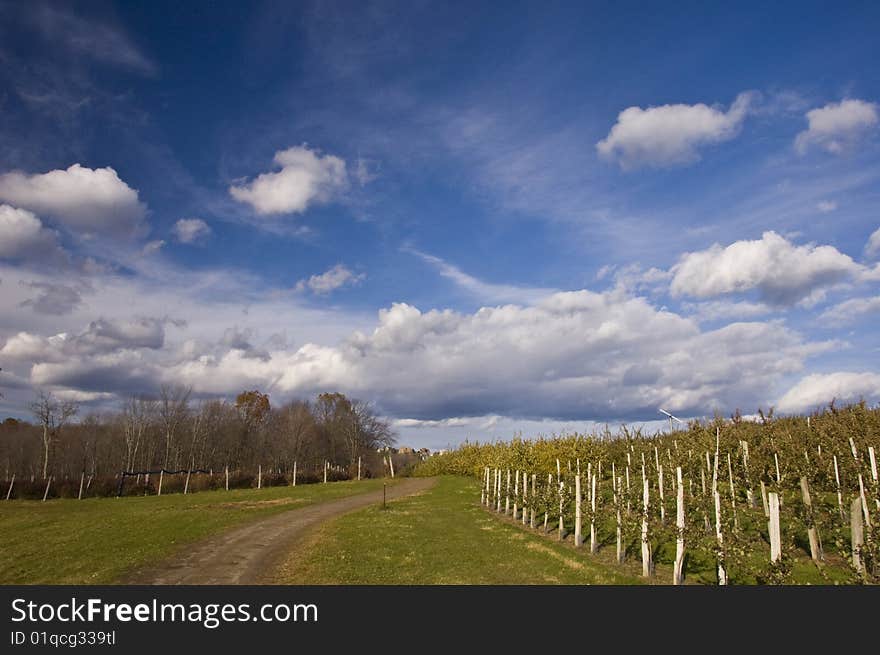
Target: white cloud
53, 299
781, 272
485, 291
671, 134
837, 126
873, 246
850, 310
191, 230
722, 310
306, 178
22, 235
87, 201
152, 247
819, 389
826, 206
335, 278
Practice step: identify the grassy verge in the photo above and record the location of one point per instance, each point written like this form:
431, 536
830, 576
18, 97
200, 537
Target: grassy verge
440, 537
95, 541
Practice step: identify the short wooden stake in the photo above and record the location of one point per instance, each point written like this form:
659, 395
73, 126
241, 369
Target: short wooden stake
773, 528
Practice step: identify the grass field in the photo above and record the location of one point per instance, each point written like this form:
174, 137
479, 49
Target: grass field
440, 537
95, 541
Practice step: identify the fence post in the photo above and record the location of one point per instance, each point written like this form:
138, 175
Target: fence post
678, 572
858, 534
577, 510
812, 531
775, 535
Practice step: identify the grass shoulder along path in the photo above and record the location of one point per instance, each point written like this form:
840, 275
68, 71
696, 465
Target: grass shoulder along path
97, 540
441, 536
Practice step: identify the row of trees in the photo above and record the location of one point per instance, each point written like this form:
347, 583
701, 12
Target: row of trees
172, 431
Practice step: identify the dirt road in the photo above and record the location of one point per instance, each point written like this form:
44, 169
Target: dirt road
251, 554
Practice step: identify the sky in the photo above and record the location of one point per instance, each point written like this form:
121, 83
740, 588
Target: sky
485, 219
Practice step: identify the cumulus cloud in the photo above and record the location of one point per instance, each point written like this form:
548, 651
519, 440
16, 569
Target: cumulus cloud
850, 310
872, 248
337, 277
152, 247
191, 230
306, 178
671, 134
782, 273
85, 200
721, 310
22, 235
837, 126
575, 355
819, 389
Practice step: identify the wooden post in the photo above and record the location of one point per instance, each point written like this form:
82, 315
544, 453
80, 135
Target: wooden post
647, 563
359, 468
839, 494
484, 487
864, 502
577, 511
732, 493
327, 464
525, 492
678, 570
874, 473
620, 552
507, 495
516, 495
594, 541
82, 479
186, 484
226, 470
46, 493
773, 528
9, 491
660, 489
161, 475
812, 532
534, 492
561, 501
391, 465
719, 536
764, 499
546, 511
858, 534
627, 490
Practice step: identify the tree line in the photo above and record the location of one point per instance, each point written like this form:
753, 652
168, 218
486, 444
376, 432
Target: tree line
174, 432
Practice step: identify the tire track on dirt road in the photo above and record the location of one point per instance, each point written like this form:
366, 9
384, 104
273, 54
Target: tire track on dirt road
251, 554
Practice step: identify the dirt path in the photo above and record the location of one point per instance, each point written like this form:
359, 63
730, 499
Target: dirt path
252, 553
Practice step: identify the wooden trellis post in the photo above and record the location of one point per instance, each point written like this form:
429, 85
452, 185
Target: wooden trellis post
812, 532
678, 570
773, 528
561, 500
647, 563
507, 495
577, 511
839, 494
764, 499
516, 495
719, 536
534, 497
498, 490
660, 489
594, 541
858, 534
546, 511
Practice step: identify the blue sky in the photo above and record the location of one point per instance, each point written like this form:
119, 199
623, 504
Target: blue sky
481, 218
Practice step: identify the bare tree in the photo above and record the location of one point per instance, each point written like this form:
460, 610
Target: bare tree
136, 416
52, 415
173, 410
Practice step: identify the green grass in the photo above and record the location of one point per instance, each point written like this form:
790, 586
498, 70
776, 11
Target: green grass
442, 536
95, 541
